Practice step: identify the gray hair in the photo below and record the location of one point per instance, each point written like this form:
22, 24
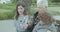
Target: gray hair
43, 2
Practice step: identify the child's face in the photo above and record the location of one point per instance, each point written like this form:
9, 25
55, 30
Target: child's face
20, 9
40, 8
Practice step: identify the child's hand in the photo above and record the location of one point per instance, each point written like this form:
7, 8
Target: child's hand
25, 26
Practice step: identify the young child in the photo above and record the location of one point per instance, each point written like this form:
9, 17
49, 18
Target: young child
46, 21
21, 20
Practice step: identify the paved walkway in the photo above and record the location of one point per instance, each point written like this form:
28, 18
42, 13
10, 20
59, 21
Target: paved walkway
7, 26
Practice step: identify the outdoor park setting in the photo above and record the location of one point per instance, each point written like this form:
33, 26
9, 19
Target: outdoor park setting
8, 8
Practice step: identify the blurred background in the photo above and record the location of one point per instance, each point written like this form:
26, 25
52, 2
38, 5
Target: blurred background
8, 8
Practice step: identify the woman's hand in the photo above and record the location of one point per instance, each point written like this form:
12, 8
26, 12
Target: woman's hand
25, 26
48, 31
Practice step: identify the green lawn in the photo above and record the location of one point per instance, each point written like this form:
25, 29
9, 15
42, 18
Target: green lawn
8, 11
54, 10
6, 14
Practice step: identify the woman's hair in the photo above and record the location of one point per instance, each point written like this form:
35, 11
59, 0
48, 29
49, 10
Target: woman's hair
46, 17
23, 5
43, 2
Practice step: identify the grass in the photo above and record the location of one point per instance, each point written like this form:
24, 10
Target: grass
6, 14
6, 6
54, 10
8, 11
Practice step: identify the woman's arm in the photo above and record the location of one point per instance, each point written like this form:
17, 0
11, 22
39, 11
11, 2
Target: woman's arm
30, 26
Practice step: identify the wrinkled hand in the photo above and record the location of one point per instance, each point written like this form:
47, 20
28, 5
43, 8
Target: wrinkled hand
25, 26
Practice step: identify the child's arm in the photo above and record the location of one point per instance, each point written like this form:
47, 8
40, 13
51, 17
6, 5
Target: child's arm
28, 20
16, 23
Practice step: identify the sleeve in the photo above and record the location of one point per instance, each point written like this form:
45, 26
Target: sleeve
35, 28
28, 20
30, 24
16, 23
53, 28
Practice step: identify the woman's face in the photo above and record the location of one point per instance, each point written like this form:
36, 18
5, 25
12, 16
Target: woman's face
40, 8
20, 9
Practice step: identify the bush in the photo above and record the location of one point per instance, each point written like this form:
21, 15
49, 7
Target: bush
7, 11
7, 14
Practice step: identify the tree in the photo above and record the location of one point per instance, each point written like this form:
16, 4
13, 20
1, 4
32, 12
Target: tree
14, 1
55, 0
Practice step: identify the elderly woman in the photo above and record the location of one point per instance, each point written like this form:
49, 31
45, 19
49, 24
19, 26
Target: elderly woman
45, 3
45, 20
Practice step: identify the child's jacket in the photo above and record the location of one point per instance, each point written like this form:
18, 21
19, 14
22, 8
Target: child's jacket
21, 20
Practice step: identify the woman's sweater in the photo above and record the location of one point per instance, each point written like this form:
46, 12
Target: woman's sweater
45, 28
